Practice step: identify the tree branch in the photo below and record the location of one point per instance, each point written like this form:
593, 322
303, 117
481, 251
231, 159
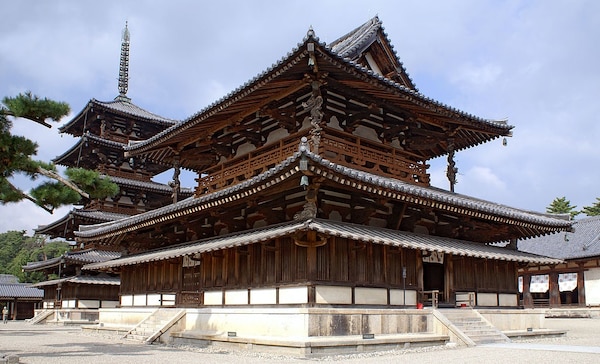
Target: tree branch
66, 182
35, 120
30, 198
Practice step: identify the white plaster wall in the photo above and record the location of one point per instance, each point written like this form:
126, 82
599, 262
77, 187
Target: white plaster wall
276, 135
168, 299
139, 300
263, 296
68, 304
508, 300
333, 294
370, 296
397, 297
487, 299
592, 287
213, 298
291, 295
89, 304
152, 300
236, 297
127, 300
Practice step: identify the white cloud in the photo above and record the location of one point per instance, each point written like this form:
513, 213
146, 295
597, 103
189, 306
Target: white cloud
533, 62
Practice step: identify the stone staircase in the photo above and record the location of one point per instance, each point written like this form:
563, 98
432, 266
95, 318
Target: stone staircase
153, 326
471, 324
41, 316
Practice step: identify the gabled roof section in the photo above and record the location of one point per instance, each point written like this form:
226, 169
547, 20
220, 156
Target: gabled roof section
582, 242
121, 106
370, 46
535, 223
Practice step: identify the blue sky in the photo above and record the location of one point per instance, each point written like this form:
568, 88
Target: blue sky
533, 62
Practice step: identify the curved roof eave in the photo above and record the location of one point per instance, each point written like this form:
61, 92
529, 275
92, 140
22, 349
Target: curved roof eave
363, 233
394, 188
292, 57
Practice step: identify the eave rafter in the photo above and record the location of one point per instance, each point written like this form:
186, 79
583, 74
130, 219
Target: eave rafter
239, 116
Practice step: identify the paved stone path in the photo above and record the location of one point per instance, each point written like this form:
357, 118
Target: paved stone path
68, 345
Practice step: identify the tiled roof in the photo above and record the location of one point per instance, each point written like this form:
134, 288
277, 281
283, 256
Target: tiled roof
125, 106
437, 195
98, 215
12, 291
390, 187
583, 242
292, 58
120, 105
148, 186
95, 216
104, 280
73, 257
91, 138
354, 42
363, 233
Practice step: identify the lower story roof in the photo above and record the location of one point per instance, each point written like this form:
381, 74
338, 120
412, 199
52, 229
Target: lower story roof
103, 280
367, 234
19, 291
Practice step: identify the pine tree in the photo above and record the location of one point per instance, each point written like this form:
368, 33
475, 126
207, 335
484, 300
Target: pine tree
593, 210
16, 157
561, 205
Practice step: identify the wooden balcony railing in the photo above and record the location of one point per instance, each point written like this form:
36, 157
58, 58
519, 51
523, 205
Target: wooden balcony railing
248, 165
341, 148
369, 156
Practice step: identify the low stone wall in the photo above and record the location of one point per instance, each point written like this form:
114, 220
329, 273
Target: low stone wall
304, 322
121, 317
514, 319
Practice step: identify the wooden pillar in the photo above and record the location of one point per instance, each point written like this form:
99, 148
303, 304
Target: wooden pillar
553, 290
311, 256
581, 286
527, 297
449, 280
420, 282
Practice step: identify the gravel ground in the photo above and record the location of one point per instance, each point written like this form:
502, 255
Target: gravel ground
68, 345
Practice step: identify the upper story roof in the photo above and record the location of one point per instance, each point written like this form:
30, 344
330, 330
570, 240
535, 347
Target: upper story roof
293, 76
121, 107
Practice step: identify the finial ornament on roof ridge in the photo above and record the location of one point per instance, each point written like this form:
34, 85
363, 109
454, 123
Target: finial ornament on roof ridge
124, 63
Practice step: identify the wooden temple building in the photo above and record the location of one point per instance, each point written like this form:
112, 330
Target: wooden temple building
313, 214
104, 130
573, 282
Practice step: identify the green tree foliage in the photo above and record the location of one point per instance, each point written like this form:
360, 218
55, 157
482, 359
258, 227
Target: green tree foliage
16, 154
593, 210
561, 205
16, 249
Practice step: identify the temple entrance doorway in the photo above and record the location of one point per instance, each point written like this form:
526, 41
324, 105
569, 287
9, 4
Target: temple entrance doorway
433, 279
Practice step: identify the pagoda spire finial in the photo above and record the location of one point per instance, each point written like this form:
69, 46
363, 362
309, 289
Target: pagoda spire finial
124, 64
